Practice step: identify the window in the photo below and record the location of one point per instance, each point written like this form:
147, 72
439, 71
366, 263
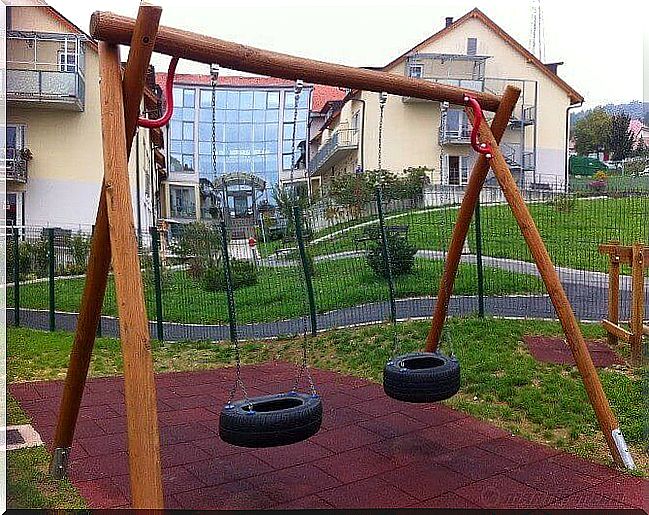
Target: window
183, 201
471, 46
458, 170
416, 71
67, 62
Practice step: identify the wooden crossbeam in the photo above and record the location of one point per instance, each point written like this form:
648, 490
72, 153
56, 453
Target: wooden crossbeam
107, 26
624, 252
616, 330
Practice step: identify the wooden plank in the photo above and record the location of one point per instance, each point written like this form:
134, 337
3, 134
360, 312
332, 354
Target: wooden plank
463, 220
139, 383
637, 303
118, 29
613, 293
624, 252
574, 337
614, 329
100, 255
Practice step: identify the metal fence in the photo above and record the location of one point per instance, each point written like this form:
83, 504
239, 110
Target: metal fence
327, 267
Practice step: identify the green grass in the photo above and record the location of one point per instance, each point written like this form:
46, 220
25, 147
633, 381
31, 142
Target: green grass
279, 293
571, 238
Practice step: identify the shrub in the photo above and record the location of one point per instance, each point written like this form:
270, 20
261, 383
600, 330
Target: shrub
600, 175
401, 252
80, 250
598, 186
199, 245
244, 273
565, 203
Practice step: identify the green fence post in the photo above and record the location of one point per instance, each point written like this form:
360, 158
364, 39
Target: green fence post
157, 280
478, 254
52, 263
16, 251
232, 315
297, 214
386, 254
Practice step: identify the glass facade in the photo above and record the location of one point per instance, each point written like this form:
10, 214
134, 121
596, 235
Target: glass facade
253, 133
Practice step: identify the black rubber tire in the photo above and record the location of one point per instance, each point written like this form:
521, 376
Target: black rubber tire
279, 419
421, 377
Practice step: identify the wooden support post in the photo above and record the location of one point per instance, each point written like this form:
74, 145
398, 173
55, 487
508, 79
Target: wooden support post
463, 221
637, 303
607, 421
100, 251
613, 293
139, 382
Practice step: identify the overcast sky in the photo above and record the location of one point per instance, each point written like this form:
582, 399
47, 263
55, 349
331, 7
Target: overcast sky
601, 43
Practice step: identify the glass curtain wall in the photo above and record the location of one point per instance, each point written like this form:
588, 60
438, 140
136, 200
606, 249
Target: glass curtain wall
253, 132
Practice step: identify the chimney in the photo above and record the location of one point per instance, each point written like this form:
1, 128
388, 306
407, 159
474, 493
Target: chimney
449, 21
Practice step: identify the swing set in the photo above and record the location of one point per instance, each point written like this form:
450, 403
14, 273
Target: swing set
426, 376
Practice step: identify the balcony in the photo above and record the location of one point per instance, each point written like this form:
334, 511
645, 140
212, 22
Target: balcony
461, 136
13, 165
339, 145
45, 70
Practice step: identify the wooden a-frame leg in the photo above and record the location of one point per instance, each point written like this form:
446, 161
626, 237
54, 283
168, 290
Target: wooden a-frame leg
463, 221
139, 382
100, 252
637, 303
607, 421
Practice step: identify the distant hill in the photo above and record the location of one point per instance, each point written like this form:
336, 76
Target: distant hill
636, 110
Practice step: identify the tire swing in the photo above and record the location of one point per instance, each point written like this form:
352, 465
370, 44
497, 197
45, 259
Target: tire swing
416, 376
268, 420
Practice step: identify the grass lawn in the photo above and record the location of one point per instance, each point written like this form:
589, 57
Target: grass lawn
501, 383
279, 293
571, 238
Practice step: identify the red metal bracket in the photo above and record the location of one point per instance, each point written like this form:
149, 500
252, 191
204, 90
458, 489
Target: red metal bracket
482, 148
169, 101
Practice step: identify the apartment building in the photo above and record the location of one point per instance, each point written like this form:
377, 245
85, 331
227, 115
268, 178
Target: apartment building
53, 163
474, 53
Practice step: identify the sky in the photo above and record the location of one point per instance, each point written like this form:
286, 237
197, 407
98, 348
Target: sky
601, 43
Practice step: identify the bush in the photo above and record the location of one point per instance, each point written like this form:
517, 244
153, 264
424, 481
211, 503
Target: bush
199, 245
401, 252
565, 203
80, 250
244, 273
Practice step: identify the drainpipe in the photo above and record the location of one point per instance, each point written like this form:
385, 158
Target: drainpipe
137, 186
567, 157
361, 137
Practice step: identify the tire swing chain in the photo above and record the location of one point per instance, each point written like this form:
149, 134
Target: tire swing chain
304, 366
383, 97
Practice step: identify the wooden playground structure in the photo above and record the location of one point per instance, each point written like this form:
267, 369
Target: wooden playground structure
636, 256
114, 239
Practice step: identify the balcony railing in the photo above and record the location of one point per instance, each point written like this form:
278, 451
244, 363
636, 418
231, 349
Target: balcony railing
461, 135
46, 68
341, 141
13, 165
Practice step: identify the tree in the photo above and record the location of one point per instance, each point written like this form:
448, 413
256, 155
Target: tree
591, 133
620, 140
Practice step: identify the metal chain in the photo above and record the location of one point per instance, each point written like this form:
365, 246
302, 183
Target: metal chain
214, 72
383, 97
304, 366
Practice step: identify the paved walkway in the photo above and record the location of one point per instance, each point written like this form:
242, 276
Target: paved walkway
372, 452
589, 303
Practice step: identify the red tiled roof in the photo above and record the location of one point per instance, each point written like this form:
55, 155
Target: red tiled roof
224, 80
323, 94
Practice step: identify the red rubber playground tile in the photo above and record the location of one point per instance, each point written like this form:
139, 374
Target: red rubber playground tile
556, 350
372, 452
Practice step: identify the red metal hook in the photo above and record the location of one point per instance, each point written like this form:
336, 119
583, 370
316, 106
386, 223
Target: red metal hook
482, 148
169, 101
